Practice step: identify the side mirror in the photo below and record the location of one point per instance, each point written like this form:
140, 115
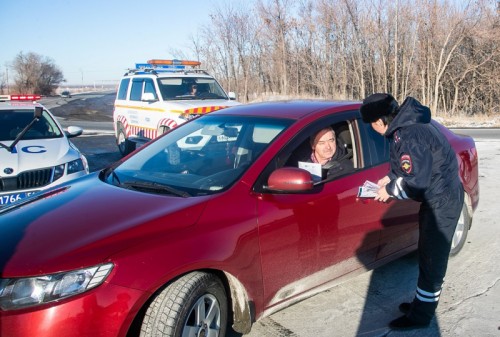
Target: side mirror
73, 131
38, 112
231, 95
290, 179
148, 97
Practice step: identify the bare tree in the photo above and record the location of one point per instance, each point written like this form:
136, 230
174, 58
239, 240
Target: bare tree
36, 74
443, 52
3, 83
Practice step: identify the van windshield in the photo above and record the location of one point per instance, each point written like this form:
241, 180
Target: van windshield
190, 88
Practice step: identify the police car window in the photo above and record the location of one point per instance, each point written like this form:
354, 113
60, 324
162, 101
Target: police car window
14, 121
122, 92
136, 90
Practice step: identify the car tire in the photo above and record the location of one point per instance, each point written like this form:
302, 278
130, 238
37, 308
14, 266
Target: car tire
460, 235
125, 146
174, 311
161, 130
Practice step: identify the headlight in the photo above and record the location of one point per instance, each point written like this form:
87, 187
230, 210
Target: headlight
58, 172
27, 292
75, 166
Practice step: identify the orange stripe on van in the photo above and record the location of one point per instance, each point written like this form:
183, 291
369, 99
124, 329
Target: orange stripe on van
204, 109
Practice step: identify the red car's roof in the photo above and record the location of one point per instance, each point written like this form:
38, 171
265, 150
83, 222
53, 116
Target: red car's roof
293, 109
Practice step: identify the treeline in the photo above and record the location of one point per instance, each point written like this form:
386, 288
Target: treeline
445, 53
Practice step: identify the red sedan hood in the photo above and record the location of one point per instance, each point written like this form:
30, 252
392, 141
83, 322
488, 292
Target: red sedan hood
85, 224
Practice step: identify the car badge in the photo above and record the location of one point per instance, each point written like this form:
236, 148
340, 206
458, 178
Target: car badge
8, 170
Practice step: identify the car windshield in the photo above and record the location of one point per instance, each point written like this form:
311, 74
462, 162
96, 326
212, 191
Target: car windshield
201, 157
12, 122
190, 88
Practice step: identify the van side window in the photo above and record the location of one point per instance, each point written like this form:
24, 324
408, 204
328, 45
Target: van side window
136, 90
122, 92
149, 86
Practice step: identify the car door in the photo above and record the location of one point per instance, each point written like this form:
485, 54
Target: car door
143, 109
399, 230
308, 239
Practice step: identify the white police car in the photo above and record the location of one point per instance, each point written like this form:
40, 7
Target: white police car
35, 153
160, 95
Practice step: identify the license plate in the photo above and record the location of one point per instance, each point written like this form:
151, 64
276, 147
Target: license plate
11, 198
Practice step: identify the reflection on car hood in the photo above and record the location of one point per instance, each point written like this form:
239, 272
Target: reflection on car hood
33, 154
94, 220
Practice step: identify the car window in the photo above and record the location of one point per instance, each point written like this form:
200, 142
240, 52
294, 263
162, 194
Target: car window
136, 90
180, 88
122, 91
376, 146
299, 149
149, 87
12, 122
202, 157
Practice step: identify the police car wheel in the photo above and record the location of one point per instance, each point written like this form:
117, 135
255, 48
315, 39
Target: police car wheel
125, 146
460, 235
193, 305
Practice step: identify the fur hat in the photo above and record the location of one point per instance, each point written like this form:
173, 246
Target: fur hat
376, 106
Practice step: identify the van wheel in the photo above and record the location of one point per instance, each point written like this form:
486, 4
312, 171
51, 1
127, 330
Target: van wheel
161, 130
124, 145
193, 305
460, 235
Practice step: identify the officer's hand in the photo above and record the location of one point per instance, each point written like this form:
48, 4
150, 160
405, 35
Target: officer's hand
382, 195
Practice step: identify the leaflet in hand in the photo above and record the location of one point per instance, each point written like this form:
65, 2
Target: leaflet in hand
313, 168
368, 190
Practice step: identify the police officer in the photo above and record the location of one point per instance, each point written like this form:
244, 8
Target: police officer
423, 168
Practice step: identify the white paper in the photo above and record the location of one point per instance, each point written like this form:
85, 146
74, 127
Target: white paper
368, 190
313, 168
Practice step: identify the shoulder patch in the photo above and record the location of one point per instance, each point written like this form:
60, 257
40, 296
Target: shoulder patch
406, 164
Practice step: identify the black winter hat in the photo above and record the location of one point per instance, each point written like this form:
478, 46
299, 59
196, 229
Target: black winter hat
376, 106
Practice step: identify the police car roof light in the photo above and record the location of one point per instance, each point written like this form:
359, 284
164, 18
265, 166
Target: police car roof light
175, 62
25, 97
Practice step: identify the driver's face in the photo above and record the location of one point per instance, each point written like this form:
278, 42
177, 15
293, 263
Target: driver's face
324, 146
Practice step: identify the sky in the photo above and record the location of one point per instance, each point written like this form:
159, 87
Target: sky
96, 41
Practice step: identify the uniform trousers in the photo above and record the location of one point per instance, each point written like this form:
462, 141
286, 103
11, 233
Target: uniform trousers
437, 222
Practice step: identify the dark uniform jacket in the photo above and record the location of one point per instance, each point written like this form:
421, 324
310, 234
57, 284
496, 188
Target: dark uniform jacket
423, 164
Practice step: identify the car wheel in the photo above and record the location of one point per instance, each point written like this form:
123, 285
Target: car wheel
161, 130
193, 305
124, 145
460, 235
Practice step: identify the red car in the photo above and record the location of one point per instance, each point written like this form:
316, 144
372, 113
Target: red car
209, 226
